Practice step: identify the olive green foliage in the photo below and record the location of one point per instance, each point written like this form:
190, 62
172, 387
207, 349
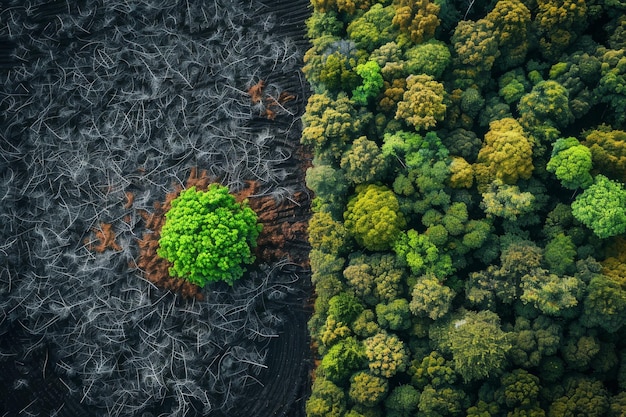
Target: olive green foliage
434, 370
571, 163
364, 162
511, 21
605, 303
610, 88
608, 151
583, 397
506, 153
430, 58
519, 389
373, 29
373, 217
422, 104
329, 124
386, 354
558, 21
208, 236
506, 201
402, 402
442, 401
560, 254
417, 18
534, 340
475, 52
478, 345
342, 359
602, 207
513, 85
330, 187
344, 307
546, 104
430, 297
326, 234
326, 400
395, 315
367, 389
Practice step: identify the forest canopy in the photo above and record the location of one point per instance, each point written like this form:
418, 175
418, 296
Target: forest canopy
470, 205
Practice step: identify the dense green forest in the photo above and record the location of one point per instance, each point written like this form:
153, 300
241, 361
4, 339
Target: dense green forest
467, 239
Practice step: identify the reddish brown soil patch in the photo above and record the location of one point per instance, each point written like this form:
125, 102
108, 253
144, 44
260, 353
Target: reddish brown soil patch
106, 238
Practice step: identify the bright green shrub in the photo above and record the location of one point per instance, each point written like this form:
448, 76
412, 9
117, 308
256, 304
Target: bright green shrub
207, 236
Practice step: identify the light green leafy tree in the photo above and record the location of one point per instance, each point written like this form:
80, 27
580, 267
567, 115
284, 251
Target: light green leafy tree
342, 359
208, 236
371, 85
571, 163
421, 255
373, 29
602, 207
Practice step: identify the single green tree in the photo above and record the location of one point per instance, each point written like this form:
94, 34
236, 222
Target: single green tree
342, 359
571, 163
430, 297
402, 402
371, 85
208, 236
367, 389
386, 354
373, 217
602, 207
364, 161
326, 400
478, 344
422, 104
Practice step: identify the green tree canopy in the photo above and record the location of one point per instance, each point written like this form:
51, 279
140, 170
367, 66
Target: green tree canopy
602, 207
326, 400
342, 359
608, 151
208, 236
364, 161
417, 18
571, 163
386, 354
421, 255
373, 29
430, 297
373, 217
422, 104
506, 153
368, 389
478, 344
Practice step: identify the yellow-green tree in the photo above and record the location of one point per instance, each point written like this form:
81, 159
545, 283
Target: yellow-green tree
422, 104
506, 153
418, 19
373, 217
